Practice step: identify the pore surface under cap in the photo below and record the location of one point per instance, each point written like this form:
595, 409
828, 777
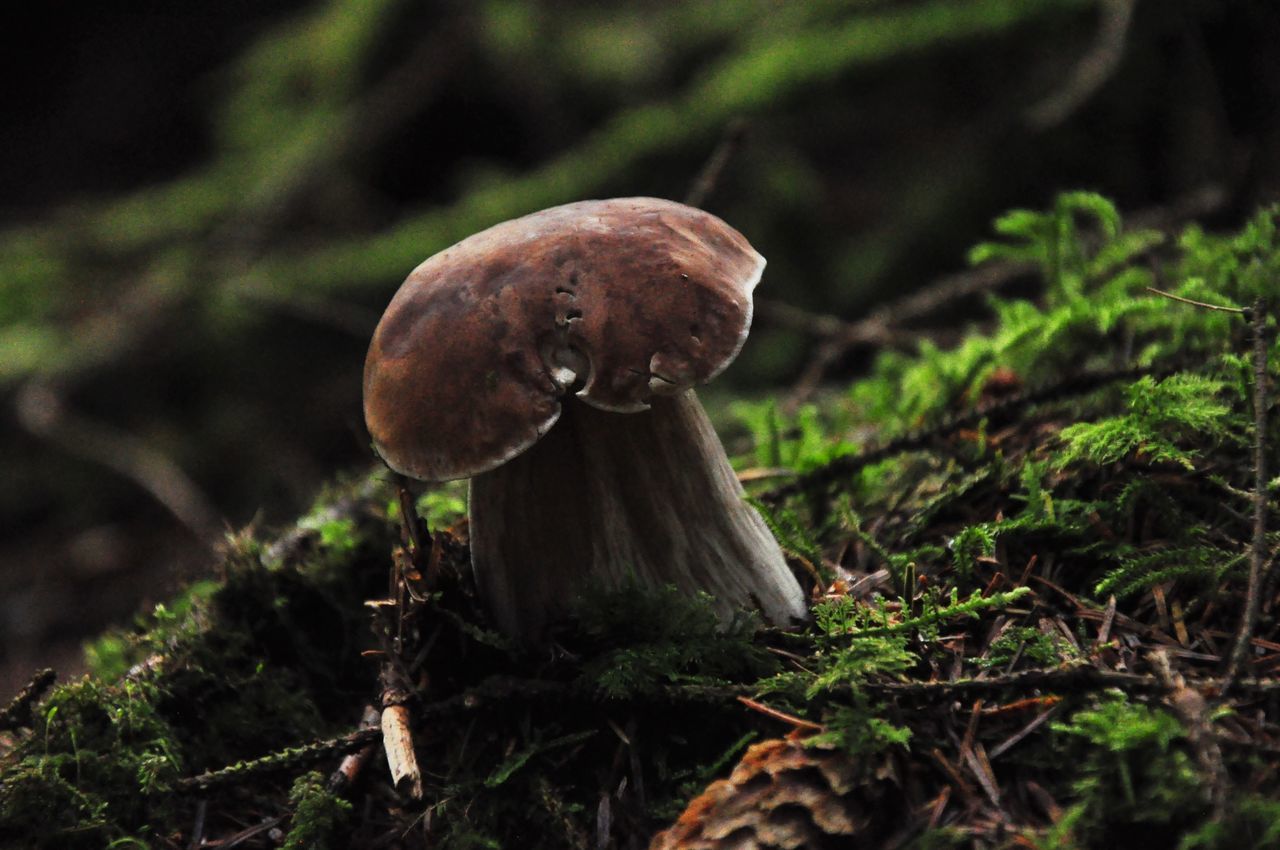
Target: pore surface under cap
626, 297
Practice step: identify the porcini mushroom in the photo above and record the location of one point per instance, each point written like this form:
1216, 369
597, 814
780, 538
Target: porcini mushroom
551, 360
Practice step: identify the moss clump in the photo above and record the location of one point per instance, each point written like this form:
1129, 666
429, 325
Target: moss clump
1253, 823
1136, 780
635, 641
1164, 420
231, 670
99, 759
319, 816
1071, 491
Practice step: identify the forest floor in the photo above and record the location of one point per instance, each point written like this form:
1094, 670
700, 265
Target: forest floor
1040, 563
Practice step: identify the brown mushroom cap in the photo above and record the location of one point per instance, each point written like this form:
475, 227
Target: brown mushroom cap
625, 298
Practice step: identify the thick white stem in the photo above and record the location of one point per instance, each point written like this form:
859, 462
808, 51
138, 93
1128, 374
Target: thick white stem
603, 496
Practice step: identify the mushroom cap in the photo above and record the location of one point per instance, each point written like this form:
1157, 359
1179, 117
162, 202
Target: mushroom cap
617, 300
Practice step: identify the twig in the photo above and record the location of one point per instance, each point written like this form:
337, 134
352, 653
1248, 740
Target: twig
500, 693
1192, 709
1091, 72
397, 688
705, 183
1258, 321
1081, 677
879, 328
1108, 617
18, 712
843, 467
767, 711
953, 775
290, 758
41, 411
353, 763
397, 741
976, 758
1017, 737
795, 318
245, 834
1193, 302
409, 521
396, 720
197, 830
882, 327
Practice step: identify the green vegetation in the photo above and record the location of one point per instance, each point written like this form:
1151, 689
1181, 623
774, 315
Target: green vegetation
318, 815
965, 581
292, 107
1132, 779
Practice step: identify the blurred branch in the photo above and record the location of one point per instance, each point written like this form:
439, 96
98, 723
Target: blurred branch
879, 329
754, 77
883, 327
734, 135
18, 712
41, 411
1091, 72
1259, 564
363, 125
349, 319
210, 235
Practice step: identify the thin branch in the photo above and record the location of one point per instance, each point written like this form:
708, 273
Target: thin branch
245, 834
500, 693
844, 467
1190, 706
769, 711
18, 712
290, 758
705, 183
1091, 72
1080, 677
1257, 555
197, 829
795, 318
884, 325
353, 763
1193, 302
41, 411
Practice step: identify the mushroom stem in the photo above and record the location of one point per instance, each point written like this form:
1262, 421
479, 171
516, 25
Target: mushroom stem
604, 496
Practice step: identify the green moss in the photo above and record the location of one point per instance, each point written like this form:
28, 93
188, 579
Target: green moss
1251, 823
1165, 419
319, 816
638, 640
443, 506
1133, 773
801, 442
90, 772
1041, 649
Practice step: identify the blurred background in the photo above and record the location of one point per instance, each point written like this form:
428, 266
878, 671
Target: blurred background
204, 208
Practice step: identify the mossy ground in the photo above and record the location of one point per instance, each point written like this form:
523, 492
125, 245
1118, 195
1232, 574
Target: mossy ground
989, 603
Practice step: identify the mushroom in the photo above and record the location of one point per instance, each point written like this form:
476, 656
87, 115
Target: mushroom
550, 359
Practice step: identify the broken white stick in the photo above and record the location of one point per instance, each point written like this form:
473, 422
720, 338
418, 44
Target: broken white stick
398, 743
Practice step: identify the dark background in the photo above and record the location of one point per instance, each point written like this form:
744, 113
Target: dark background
205, 207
